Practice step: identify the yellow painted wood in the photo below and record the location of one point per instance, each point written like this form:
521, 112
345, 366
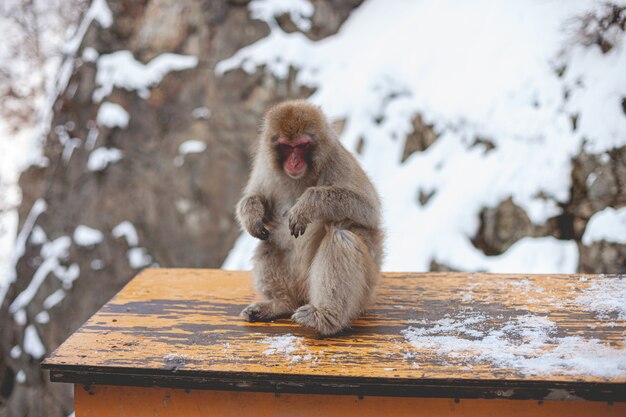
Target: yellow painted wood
187, 320
113, 401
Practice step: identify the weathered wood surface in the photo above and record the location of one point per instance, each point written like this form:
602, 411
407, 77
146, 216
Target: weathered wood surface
180, 327
112, 401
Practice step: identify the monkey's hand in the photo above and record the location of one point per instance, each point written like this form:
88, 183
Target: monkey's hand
298, 220
259, 230
251, 212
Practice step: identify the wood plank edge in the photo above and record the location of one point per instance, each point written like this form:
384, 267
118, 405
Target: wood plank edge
316, 384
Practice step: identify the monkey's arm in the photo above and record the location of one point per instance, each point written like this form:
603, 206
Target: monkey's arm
252, 216
332, 204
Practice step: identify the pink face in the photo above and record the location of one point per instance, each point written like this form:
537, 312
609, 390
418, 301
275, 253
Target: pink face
294, 155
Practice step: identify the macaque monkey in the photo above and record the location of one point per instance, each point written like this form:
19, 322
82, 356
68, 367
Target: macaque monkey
318, 218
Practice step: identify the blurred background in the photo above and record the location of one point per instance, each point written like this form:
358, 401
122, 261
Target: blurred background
494, 131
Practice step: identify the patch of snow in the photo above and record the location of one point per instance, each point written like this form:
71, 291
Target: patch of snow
608, 225
20, 377
138, 258
53, 299
201, 113
20, 317
100, 158
16, 351
605, 297
127, 230
32, 343
67, 275
42, 317
187, 147
39, 206
87, 236
300, 11
526, 343
90, 54
191, 146
509, 90
183, 205
176, 358
524, 256
120, 69
98, 11
52, 253
68, 142
97, 264
286, 346
38, 236
112, 115
92, 135
240, 256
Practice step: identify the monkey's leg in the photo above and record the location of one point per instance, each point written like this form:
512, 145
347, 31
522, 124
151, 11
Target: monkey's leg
270, 279
341, 278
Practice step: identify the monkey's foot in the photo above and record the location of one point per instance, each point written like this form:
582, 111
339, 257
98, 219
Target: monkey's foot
263, 311
324, 321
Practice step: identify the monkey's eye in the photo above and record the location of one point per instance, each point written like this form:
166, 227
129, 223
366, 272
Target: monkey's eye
284, 148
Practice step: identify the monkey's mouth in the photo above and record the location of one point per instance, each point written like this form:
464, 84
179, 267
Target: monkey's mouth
295, 166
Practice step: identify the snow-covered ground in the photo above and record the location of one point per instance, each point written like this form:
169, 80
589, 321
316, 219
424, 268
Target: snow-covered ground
511, 72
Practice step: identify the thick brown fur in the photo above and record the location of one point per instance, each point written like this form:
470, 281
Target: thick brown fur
326, 276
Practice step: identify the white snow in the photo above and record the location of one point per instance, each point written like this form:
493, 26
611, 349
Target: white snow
138, 258
38, 236
52, 253
9, 274
201, 113
98, 11
187, 147
472, 70
191, 146
90, 54
127, 230
525, 343
16, 351
300, 11
20, 317
53, 299
608, 225
288, 346
100, 158
16, 151
67, 275
240, 256
120, 69
606, 298
87, 236
32, 343
20, 377
97, 264
112, 115
42, 317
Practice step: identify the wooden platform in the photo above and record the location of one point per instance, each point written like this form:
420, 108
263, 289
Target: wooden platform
436, 335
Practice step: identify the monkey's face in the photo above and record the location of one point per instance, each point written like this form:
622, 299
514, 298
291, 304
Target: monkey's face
295, 155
